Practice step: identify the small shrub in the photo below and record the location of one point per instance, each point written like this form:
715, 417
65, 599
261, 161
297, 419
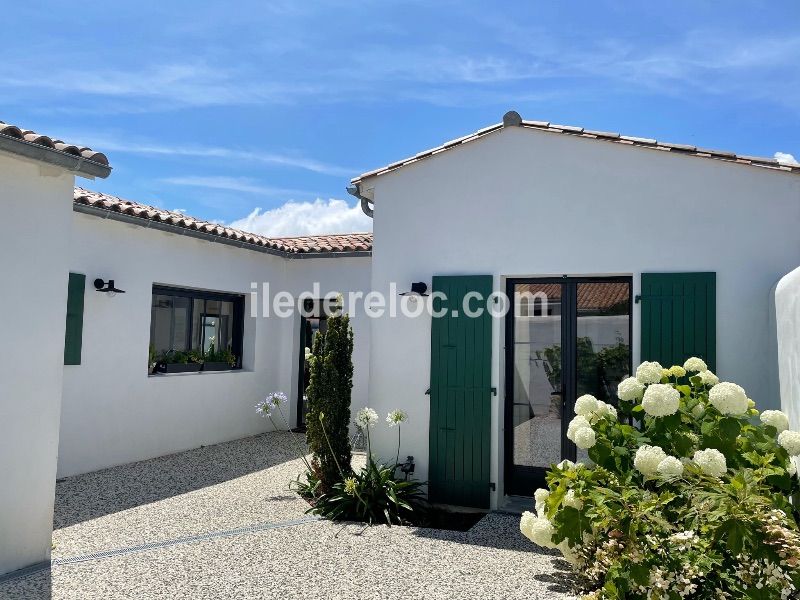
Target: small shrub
687, 496
329, 389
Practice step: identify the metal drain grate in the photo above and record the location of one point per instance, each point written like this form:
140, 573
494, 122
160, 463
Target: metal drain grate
152, 545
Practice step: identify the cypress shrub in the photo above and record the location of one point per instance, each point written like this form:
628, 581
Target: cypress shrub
329, 390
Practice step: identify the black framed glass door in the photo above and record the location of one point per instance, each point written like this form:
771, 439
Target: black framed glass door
565, 337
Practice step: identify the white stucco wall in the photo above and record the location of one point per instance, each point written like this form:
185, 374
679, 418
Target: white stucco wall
787, 311
528, 203
113, 413
36, 203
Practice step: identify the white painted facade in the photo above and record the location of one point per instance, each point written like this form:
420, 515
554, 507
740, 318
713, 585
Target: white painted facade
515, 203
527, 203
114, 412
787, 319
36, 202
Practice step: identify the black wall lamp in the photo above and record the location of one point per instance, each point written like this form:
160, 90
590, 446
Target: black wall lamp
107, 287
419, 288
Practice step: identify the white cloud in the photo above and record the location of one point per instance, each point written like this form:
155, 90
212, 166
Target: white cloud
306, 218
233, 184
785, 158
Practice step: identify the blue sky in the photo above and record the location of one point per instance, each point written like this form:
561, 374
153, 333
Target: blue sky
220, 109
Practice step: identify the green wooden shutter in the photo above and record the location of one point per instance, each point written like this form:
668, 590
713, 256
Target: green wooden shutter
73, 334
460, 422
679, 317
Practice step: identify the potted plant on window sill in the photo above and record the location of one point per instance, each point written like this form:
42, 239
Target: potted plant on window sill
179, 361
219, 360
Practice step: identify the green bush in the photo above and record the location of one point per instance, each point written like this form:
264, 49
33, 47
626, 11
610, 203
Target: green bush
329, 388
687, 496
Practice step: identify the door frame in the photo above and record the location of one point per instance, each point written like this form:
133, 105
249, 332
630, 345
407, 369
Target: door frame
569, 324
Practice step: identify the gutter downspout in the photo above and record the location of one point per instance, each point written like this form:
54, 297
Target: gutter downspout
354, 190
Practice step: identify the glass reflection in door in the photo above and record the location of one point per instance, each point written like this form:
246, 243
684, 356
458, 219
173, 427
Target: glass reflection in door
537, 382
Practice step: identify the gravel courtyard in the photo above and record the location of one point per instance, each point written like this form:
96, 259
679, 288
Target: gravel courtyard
220, 522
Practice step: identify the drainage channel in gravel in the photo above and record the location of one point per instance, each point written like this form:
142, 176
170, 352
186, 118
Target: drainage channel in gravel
152, 545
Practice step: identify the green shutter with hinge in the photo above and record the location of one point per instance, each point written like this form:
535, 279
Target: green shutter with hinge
679, 317
73, 334
461, 388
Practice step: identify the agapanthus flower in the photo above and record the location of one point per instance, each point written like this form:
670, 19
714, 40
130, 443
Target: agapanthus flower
649, 372
585, 405
728, 398
695, 365
630, 389
366, 417
711, 462
396, 417
276, 399
778, 419
350, 486
264, 408
790, 440
648, 458
661, 400
537, 529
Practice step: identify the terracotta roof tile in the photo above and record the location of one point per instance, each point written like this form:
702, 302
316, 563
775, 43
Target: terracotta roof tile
313, 244
591, 296
58, 145
684, 149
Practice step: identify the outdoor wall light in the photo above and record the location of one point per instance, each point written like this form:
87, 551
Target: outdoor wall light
107, 287
419, 288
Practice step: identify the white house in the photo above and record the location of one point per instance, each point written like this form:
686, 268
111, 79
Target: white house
612, 249
696, 239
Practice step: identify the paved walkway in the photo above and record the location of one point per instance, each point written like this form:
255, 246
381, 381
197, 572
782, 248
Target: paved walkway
220, 522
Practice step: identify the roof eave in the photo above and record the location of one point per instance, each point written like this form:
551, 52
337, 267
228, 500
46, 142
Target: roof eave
106, 213
76, 164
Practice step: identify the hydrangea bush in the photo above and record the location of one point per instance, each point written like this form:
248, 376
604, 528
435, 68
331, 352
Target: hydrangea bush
687, 494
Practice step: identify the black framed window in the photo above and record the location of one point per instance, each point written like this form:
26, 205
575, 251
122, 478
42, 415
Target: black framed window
185, 320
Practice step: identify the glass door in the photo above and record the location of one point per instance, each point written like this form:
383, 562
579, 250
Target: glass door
565, 337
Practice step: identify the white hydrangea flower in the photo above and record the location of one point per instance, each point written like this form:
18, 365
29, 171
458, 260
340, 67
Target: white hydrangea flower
630, 389
648, 458
670, 468
790, 440
661, 400
778, 419
570, 555
695, 365
649, 372
791, 468
698, 410
676, 371
708, 378
604, 409
585, 405
366, 417
711, 462
565, 464
540, 496
728, 398
536, 529
577, 422
570, 500
585, 438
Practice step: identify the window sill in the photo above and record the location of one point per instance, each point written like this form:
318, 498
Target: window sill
195, 373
